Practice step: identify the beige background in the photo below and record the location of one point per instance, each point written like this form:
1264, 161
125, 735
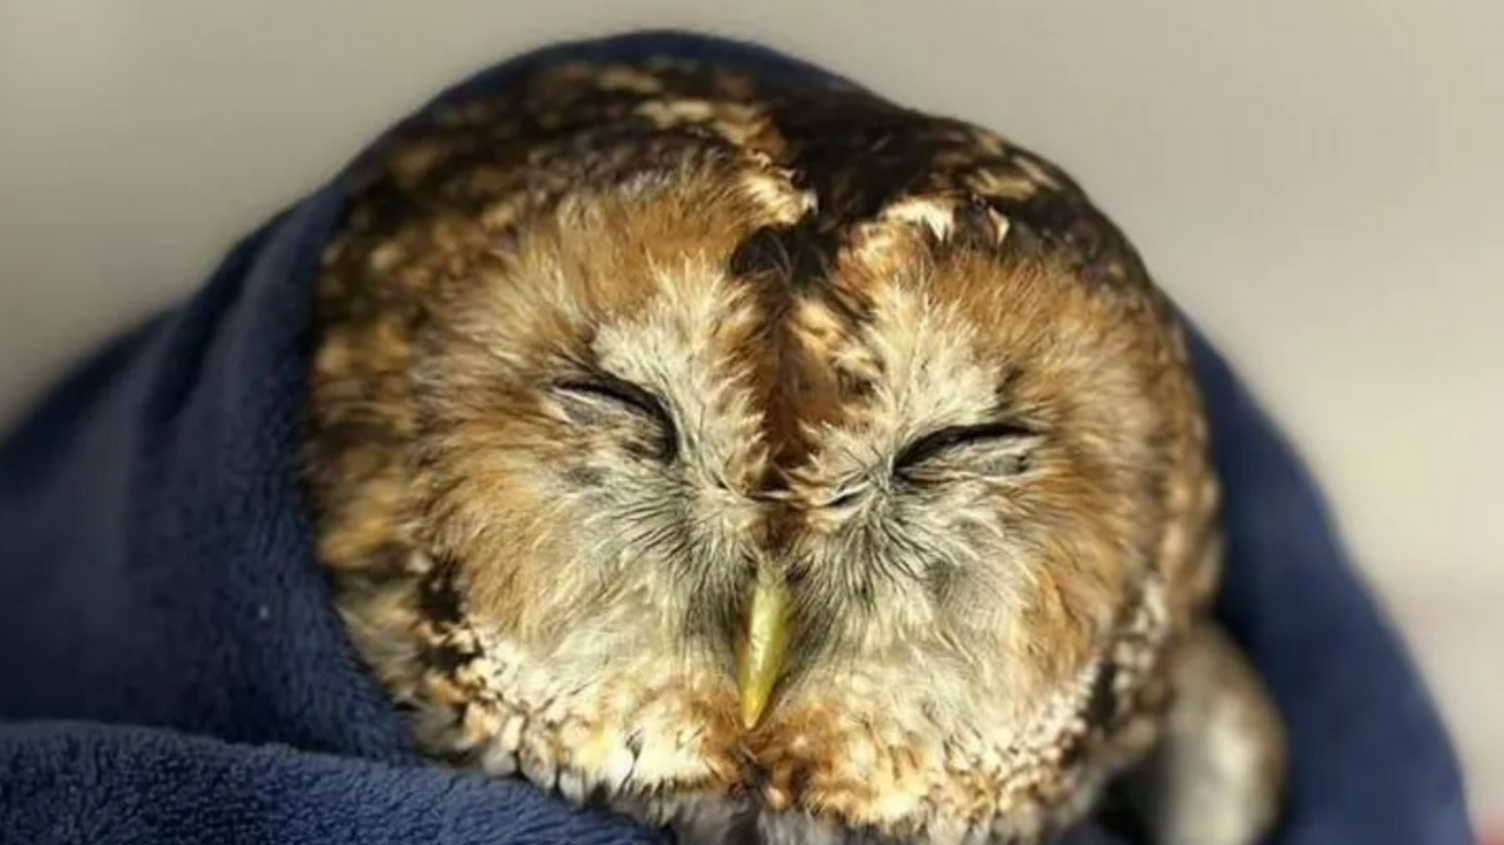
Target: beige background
1319, 182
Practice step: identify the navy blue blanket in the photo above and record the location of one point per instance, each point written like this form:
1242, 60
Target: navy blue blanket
171, 672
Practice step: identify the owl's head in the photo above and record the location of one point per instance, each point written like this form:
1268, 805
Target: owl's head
714, 498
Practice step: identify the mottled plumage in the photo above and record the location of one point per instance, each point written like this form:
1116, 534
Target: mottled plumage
598, 355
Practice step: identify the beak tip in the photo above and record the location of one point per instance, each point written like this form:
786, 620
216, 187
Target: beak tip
751, 715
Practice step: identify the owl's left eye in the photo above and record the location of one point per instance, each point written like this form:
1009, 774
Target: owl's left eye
1011, 437
592, 397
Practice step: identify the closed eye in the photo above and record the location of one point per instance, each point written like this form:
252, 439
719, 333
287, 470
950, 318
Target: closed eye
638, 400
956, 436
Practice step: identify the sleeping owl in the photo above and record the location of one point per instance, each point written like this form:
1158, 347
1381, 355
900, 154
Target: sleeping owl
774, 463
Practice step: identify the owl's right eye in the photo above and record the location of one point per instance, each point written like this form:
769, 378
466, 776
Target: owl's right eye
952, 437
593, 400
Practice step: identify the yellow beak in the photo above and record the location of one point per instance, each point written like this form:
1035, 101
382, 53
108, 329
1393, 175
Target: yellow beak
763, 645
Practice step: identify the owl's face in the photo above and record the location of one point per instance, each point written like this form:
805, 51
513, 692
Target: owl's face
787, 460
923, 481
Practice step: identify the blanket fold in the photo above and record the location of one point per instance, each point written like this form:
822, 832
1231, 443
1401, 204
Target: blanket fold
171, 670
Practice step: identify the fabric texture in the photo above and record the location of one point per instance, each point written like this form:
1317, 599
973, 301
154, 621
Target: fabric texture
171, 670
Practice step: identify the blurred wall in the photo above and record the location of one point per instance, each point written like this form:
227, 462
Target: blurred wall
1318, 183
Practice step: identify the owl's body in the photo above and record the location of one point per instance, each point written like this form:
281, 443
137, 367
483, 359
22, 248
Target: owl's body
773, 463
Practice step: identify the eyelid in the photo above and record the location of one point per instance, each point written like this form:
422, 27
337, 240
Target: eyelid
634, 398
619, 391
932, 444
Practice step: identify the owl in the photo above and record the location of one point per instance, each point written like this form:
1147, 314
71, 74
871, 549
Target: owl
774, 463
